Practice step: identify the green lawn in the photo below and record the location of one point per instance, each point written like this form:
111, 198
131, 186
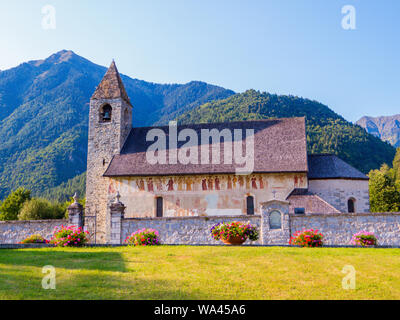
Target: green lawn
169, 272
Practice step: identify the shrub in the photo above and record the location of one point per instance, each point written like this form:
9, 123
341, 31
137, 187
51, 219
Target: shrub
41, 209
69, 237
35, 238
307, 238
11, 206
235, 229
364, 239
143, 237
59, 210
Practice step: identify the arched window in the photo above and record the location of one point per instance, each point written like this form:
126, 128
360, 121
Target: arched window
351, 205
105, 113
275, 221
159, 207
250, 205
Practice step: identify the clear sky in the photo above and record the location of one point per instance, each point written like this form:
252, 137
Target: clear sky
281, 46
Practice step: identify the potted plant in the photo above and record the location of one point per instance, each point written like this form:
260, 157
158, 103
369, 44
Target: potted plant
71, 236
234, 233
143, 237
307, 238
34, 239
364, 239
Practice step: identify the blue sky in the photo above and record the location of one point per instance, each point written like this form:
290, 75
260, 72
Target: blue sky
281, 46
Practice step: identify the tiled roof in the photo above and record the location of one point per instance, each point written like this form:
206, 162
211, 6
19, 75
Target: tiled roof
280, 146
327, 166
111, 87
312, 203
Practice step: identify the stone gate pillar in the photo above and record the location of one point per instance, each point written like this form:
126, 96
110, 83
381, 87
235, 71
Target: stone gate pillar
75, 213
117, 211
275, 223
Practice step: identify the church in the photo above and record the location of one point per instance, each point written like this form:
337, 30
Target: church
207, 183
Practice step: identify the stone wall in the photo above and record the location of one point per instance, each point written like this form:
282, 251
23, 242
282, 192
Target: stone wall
339, 228
184, 230
16, 231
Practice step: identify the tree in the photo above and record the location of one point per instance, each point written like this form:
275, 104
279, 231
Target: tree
41, 209
384, 190
396, 165
11, 206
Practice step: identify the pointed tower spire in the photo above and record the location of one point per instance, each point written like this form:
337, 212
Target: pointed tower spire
111, 87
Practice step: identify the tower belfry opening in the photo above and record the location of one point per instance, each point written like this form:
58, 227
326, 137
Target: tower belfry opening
105, 114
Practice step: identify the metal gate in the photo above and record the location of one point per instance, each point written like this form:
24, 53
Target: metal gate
90, 226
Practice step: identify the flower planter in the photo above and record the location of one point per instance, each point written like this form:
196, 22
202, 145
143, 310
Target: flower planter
241, 230
364, 239
234, 241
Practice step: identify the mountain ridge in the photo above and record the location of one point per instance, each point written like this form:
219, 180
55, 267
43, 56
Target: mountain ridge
386, 128
44, 106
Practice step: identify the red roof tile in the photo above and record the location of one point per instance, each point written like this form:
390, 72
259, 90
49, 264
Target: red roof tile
312, 203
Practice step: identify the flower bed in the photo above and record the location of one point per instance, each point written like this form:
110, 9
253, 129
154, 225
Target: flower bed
35, 238
364, 239
307, 238
241, 230
69, 237
143, 237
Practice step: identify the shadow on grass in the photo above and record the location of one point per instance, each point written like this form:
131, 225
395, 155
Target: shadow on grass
85, 285
102, 261
120, 287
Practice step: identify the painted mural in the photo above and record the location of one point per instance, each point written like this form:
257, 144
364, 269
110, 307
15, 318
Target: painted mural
212, 195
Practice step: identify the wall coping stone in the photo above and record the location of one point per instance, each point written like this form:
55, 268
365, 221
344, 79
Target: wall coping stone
345, 214
193, 218
33, 221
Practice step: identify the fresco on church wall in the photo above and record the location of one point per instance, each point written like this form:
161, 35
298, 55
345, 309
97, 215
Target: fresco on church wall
213, 195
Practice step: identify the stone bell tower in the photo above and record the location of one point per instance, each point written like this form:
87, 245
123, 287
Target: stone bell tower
110, 122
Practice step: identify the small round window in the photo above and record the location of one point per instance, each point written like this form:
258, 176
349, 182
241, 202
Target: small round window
275, 221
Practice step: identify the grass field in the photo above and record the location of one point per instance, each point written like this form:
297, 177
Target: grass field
170, 272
